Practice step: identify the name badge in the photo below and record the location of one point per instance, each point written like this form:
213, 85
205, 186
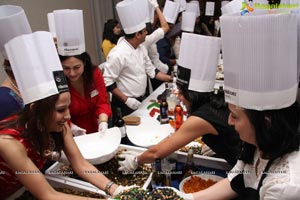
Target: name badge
94, 93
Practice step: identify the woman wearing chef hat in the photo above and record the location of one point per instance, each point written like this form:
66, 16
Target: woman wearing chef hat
262, 99
41, 129
195, 80
90, 109
13, 22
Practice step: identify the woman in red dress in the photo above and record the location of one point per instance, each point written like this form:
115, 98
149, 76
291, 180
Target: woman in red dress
90, 108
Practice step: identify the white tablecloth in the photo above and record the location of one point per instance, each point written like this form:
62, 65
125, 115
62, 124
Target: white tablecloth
149, 132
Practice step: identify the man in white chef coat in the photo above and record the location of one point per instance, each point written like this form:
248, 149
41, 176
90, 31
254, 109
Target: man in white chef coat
128, 64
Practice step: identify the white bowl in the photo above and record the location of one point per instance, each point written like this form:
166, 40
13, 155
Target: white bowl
202, 176
149, 132
97, 148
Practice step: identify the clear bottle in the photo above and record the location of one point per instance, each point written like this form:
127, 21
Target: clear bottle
119, 122
178, 114
189, 166
167, 90
159, 178
164, 116
171, 100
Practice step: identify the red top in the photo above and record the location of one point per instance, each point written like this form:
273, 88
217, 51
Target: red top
9, 183
85, 111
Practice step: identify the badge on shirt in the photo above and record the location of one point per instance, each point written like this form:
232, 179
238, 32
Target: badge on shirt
94, 93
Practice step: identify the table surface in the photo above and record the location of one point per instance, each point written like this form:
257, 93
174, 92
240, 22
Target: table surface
149, 132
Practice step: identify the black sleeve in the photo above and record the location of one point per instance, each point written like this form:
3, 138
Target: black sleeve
111, 87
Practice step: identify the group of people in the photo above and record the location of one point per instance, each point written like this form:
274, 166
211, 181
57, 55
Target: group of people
36, 112
264, 116
254, 132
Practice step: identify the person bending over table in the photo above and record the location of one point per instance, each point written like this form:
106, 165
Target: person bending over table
208, 112
265, 116
41, 129
90, 108
208, 118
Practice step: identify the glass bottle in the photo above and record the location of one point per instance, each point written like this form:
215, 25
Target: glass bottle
171, 100
178, 114
119, 122
167, 90
164, 116
189, 166
159, 178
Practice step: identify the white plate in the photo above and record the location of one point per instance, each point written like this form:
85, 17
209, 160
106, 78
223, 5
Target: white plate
202, 176
149, 132
97, 148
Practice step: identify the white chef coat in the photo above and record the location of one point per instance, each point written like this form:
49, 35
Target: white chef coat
281, 182
150, 44
128, 68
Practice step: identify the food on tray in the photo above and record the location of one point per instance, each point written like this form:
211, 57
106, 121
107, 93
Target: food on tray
196, 145
134, 193
80, 193
132, 120
196, 183
110, 170
196, 149
141, 194
164, 193
28, 196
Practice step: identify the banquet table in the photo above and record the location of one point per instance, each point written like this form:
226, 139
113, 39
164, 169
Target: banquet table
150, 132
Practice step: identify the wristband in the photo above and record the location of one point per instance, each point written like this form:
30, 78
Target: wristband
108, 186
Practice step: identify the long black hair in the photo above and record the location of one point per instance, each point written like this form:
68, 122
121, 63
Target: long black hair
276, 136
108, 32
34, 120
197, 99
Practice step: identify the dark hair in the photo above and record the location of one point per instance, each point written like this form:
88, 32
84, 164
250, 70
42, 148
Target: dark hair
89, 67
277, 138
149, 28
8, 69
108, 32
197, 99
35, 119
131, 35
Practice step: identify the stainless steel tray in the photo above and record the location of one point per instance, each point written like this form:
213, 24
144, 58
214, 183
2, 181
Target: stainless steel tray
54, 171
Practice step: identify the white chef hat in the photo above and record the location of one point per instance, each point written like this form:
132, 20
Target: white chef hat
69, 31
193, 6
51, 24
197, 62
231, 7
297, 12
182, 4
171, 10
188, 21
132, 17
13, 22
223, 3
148, 10
298, 57
260, 59
36, 66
